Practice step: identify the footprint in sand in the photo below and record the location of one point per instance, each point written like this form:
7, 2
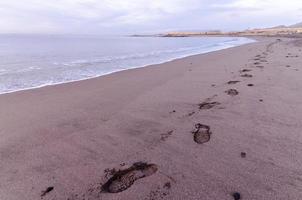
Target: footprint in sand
123, 179
232, 82
261, 56
247, 75
191, 113
232, 92
260, 60
202, 133
165, 136
245, 70
208, 105
160, 192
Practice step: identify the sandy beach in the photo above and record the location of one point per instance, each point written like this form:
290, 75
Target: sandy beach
221, 125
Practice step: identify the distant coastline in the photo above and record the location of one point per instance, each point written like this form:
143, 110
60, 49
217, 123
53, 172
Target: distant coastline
281, 31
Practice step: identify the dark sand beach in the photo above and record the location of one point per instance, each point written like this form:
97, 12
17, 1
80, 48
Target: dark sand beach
222, 125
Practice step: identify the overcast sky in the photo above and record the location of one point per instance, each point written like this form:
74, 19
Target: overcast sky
143, 16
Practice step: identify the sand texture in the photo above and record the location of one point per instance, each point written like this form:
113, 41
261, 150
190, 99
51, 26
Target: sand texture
223, 125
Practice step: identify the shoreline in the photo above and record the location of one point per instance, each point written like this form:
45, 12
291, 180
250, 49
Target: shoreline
207, 126
136, 67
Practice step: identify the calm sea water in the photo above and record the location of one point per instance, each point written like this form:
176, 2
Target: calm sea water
29, 61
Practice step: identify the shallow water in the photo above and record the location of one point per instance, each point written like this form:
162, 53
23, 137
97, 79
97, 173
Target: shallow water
29, 61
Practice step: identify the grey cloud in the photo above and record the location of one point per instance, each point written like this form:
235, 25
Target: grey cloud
125, 16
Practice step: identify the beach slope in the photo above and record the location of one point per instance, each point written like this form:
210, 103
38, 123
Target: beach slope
222, 125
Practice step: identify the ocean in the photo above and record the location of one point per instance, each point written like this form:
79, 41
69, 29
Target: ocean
31, 61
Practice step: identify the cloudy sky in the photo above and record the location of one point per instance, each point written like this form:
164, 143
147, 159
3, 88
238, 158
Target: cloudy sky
143, 16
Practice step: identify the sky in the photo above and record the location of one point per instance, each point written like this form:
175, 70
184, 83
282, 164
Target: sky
143, 16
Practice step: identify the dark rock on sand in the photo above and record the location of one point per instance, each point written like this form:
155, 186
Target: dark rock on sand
236, 195
49, 189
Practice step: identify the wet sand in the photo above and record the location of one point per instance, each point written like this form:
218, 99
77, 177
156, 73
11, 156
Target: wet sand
222, 125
